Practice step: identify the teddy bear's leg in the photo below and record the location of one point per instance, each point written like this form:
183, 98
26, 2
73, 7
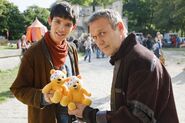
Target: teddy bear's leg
56, 97
64, 101
86, 102
71, 106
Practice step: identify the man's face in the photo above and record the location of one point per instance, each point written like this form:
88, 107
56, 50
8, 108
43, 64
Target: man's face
106, 38
60, 29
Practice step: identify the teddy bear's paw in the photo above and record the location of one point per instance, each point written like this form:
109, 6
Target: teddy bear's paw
89, 94
64, 101
87, 102
71, 106
53, 100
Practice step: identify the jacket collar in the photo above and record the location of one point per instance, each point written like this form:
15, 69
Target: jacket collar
127, 44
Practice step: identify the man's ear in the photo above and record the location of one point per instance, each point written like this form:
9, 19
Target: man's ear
74, 27
120, 26
49, 21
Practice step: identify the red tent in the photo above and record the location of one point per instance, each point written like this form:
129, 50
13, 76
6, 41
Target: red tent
35, 31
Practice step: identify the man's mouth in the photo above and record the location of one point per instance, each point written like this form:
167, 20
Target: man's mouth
60, 34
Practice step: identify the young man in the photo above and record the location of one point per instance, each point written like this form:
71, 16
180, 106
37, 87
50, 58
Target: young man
53, 51
141, 88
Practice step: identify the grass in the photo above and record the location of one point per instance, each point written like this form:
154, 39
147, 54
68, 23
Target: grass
3, 47
7, 78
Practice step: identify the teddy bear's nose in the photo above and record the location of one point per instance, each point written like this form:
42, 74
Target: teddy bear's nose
59, 79
74, 86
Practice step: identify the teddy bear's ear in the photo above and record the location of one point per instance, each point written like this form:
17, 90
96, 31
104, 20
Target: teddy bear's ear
65, 72
79, 76
66, 79
52, 71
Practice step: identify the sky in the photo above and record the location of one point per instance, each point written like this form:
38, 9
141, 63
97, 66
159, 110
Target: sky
24, 4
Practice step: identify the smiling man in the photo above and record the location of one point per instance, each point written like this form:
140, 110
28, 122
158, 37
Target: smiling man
51, 52
141, 87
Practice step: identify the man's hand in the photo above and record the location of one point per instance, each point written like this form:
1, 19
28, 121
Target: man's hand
78, 112
48, 96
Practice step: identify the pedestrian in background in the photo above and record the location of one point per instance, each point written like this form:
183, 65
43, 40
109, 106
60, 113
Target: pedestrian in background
149, 42
88, 48
24, 44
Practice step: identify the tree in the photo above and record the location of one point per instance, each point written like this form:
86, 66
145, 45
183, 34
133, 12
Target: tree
34, 11
140, 14
11, 20
170, 15
150, 16
90, 2
179, 16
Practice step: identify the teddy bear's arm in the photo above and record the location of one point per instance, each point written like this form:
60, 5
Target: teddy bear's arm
47, 88
85, 92
64, 90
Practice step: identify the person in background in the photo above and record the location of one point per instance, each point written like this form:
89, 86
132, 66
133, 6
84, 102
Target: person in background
157, 48
149, 42
51, 52
88, 48
141, 87
19, 44
24, 44
177, 41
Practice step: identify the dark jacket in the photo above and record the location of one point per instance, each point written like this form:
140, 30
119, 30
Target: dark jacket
141, 88
33, 75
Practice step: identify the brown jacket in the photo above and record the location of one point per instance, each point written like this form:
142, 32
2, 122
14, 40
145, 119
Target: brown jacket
142, 88
33, 75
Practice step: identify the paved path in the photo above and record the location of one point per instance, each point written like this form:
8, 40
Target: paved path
9, 62
97, 79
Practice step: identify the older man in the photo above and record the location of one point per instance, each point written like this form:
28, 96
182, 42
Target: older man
141, 87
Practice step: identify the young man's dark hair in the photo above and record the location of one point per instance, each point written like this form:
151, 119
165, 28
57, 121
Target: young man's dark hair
63, 10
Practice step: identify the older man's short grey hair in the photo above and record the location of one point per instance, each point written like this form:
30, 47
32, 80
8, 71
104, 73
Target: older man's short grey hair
112, 15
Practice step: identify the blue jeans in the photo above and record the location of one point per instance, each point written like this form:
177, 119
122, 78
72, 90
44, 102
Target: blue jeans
63, 118
98, 53
62, 115
87, 54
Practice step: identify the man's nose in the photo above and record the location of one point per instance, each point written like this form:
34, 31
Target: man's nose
99, 41
62, 27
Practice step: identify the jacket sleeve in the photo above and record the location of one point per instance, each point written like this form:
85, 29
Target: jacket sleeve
142, 94
23, 87
89, 115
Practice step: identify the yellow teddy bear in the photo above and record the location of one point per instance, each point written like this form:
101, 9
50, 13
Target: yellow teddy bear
56, 84
76, 94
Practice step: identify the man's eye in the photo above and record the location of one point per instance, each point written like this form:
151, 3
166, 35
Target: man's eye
68, 25
101, 34
94, 37
57, 21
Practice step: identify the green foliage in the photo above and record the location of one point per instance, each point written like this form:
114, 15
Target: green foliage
140, 14
15, 23
103, 2
147, 16
7, 78
81, 2
34, 11
155, 15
